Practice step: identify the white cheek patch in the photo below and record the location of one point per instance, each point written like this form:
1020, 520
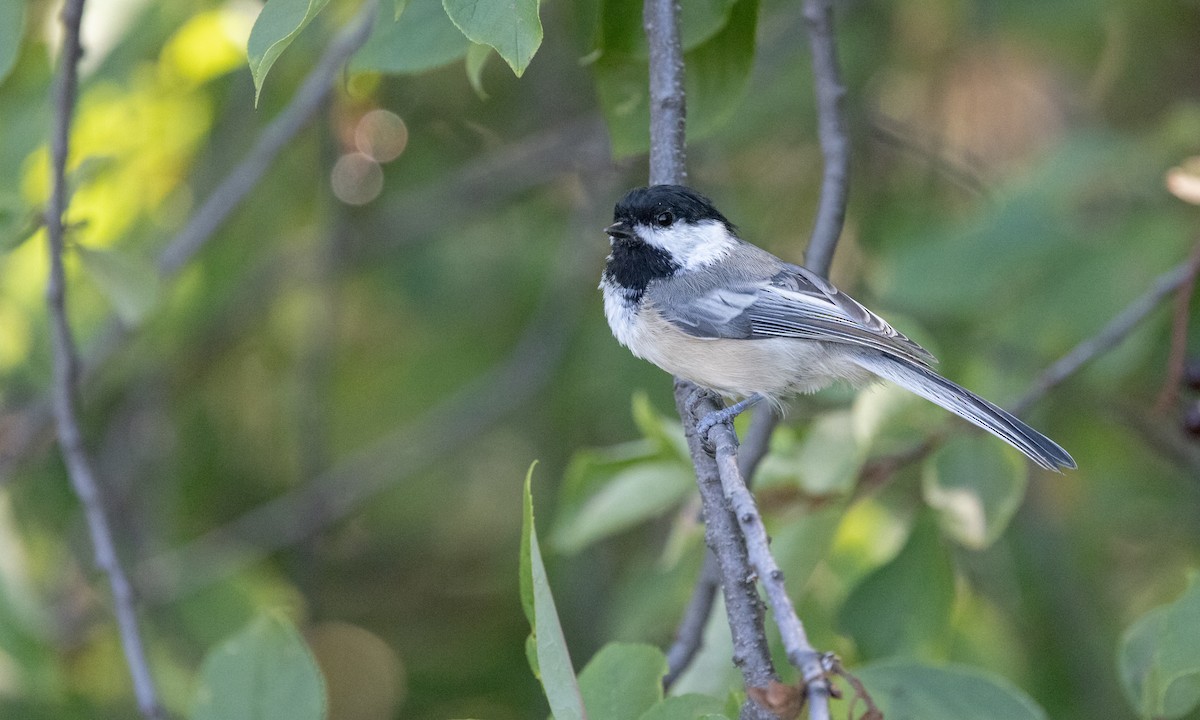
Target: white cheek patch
692, 245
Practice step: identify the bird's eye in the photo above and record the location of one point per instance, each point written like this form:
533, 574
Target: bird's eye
664, 218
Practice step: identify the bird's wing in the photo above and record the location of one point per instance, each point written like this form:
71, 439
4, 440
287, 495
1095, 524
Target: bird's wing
794, 303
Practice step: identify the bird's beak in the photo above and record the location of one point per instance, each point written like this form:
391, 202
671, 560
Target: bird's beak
619, 230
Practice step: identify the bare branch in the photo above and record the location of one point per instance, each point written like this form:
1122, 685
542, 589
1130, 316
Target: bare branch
742, 604
795, 641
690, 634
66, 370
668, 158
668, 103
831, 128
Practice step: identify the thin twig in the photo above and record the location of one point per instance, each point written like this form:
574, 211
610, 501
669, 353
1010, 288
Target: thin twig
1109, 336
831, 129
66, 363
309, 99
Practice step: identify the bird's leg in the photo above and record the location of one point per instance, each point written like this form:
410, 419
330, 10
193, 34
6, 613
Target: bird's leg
722, 416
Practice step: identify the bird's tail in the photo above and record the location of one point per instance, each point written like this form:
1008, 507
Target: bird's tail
969, 406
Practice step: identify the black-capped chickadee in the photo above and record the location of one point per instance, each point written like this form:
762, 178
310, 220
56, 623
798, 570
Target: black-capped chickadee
683, 291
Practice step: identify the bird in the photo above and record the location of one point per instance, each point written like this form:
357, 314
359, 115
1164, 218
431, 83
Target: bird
683, 290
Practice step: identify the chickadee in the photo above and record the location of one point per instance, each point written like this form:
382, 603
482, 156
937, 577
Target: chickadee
683, 291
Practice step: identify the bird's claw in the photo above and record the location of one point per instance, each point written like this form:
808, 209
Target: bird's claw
724, 416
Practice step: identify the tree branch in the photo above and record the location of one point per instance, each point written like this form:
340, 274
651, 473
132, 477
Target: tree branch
668, 101
690, 634
743, 606
795, 641
668, 164
66, 370
733, 549
827, 229
831, 128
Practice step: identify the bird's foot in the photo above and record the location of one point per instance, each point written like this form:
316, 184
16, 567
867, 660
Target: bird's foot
721, 417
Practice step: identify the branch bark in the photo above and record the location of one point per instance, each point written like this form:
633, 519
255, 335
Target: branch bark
743, 606
66, 370
795, 641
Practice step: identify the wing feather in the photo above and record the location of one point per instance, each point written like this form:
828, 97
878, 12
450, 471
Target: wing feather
794, 303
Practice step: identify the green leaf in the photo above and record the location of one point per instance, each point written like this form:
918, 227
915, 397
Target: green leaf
1159, 659
265, 672
276, 27
128, 281
716, 75
398, 8
691, 706
12, 26
553, 663
630, 497
477, 57
611, 489
512, 27
904, 607
422, 39
622, 681
976, 485
525, 570
912, 691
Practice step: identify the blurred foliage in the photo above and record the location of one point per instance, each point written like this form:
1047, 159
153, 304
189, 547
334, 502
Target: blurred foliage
1007, 199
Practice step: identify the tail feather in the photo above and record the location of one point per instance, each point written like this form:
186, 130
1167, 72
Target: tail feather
969, 406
